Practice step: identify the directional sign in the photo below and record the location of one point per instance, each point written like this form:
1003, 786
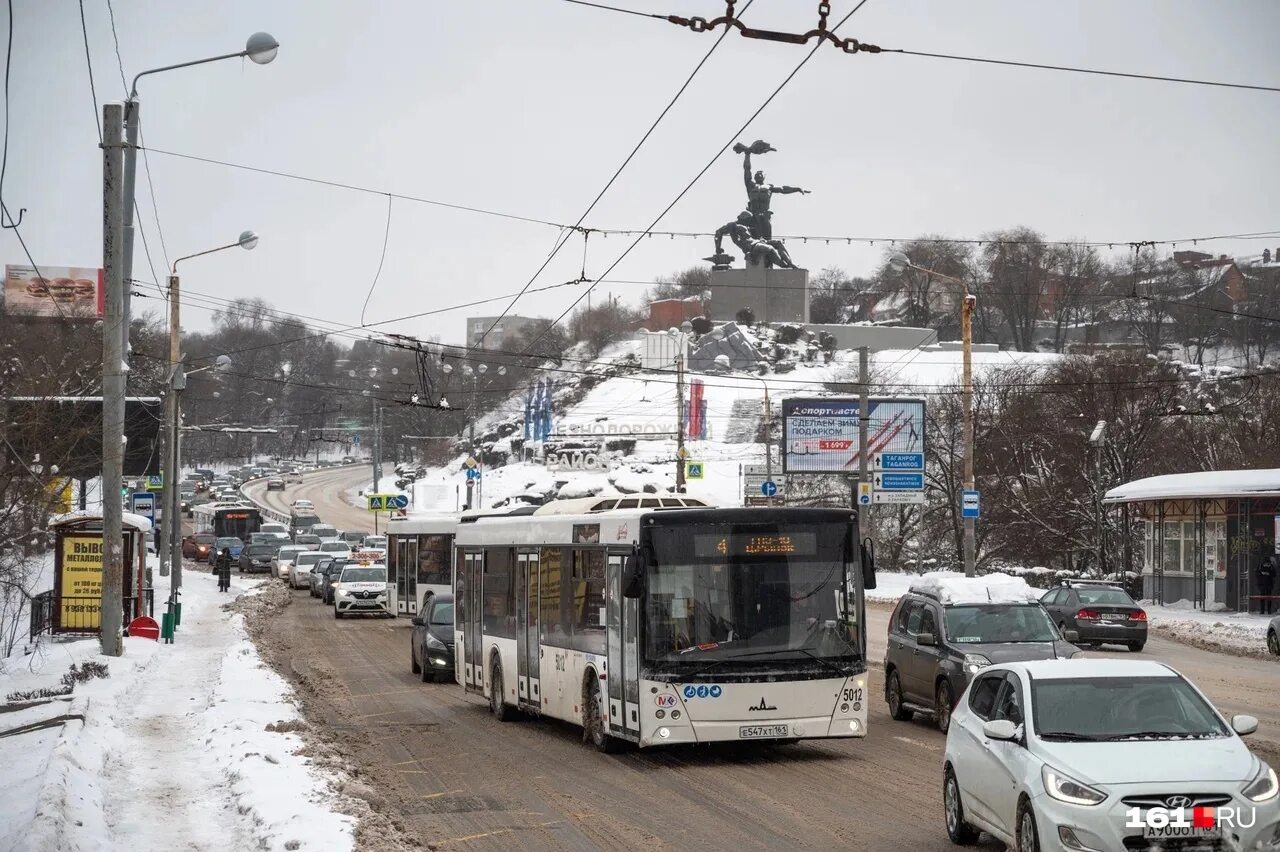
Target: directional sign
897, 461
399, 501
864, 493
969, 506
693, 470
899, 497
769, 488
473, 474
144, 503
899, 481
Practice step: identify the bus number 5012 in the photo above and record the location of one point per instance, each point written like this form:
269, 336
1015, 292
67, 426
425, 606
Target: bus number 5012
851, 694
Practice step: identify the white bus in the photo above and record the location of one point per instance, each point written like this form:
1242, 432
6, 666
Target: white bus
419, 560
223, 520
659, 627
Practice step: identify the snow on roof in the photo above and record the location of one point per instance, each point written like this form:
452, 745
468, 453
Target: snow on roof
954, 588
1204, 484
138, 522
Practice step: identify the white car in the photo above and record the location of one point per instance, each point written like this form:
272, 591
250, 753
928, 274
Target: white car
274, 528
302, 504
284, 558
361, 588
300, 568
1093, 754
337, 548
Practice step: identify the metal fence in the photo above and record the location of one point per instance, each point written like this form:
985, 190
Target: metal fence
72, 614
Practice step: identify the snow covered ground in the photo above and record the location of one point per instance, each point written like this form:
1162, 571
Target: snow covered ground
175, 748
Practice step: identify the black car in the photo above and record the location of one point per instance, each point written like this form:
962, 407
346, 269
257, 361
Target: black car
316, 576
256, 558
431, 643
1099, 612
331, 576
939, 642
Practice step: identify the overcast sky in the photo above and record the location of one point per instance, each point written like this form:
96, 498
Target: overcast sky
528, 106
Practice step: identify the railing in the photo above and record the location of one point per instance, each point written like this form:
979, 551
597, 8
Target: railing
79, 614
263, 509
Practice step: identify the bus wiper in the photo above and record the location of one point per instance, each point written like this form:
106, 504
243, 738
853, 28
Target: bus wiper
808, 652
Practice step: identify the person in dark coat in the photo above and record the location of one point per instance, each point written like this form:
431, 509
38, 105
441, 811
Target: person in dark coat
224, 570
1266, 579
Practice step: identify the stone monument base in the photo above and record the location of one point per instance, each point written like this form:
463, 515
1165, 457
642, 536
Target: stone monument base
773, 294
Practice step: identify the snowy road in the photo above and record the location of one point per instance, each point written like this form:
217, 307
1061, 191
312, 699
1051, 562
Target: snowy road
326, 489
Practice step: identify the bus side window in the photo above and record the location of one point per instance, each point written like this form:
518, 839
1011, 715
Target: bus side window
549, 593
499, 609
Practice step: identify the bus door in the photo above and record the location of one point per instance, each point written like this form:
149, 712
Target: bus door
407, 575
472, 638
527, 644
624, 689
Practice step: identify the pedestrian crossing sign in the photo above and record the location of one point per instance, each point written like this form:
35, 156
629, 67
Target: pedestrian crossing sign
693, 470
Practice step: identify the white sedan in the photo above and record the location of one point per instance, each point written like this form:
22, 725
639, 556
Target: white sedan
300, 568
1099, 755
284, 559
336, 548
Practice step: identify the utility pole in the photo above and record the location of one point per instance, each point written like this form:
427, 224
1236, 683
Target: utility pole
111, 607
377, 448
970, 524
170, 456
864, 415
680, 451
132, 121
768, 436
471, 484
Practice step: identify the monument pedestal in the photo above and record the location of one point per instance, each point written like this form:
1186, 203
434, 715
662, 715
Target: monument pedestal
773, 294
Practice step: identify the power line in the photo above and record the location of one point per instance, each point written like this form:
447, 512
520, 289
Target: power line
618, 9
386, 237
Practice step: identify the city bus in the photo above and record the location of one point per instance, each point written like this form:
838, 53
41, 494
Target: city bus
658, 620
222, 520
419, 560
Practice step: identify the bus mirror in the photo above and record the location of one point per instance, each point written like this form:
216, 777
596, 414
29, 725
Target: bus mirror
631, 576
868, 563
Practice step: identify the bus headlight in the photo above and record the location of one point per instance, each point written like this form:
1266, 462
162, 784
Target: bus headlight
664, 733
855, 725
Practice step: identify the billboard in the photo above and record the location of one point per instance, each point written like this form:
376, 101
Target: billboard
56, 292
820, 434
80, 582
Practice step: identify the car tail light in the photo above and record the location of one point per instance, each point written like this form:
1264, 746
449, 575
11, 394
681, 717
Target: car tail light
1087, 615
1138, 615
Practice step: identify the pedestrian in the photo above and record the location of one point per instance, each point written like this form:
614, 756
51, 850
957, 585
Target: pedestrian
1266, 577
224, 570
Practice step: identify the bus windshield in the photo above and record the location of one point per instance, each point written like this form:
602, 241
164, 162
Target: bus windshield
749, 593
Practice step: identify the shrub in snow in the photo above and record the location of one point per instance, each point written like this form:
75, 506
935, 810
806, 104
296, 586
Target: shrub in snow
76, 674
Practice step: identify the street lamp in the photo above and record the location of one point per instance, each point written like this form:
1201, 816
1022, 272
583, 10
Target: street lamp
171, 531
898, 263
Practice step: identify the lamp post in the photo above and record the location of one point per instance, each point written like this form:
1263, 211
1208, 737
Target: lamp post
171, 532
899, 263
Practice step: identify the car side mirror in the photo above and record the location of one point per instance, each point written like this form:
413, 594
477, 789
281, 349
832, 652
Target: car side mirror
1000, 729
1072, 636
926, 639
417, 621
1244, 725
632, 574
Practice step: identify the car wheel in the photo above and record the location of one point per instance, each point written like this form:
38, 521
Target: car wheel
336, 613
413, 661
893, 694
1273, 643
960, 832
592, 723
1135, 647
428, 674
1028, 835
942, 706
497, 706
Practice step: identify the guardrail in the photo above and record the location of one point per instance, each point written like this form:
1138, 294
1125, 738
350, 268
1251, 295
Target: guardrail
278, 517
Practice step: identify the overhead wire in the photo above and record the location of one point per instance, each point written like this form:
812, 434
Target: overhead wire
382, 258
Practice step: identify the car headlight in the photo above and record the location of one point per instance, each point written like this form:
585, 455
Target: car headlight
1068, 790
1075, 655
1264, 785
342, 593
974, 663
433, 642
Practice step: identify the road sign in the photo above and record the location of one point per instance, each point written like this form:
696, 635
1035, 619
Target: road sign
470, 463
899, 497
383, 502
897, 461
864, 493
693, 470
886, 481
769, 488
155, 483
144, 503
969, 506
399, 501
355, 440
473, 474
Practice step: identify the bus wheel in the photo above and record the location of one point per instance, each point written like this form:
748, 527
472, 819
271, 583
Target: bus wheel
500, 710
592, 724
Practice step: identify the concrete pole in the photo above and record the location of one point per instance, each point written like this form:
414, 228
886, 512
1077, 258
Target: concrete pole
132, 121
111, 613
680, 451
172, 523
970, 524
768, 436
864, 417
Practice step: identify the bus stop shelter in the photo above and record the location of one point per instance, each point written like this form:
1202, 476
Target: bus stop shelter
1203, 534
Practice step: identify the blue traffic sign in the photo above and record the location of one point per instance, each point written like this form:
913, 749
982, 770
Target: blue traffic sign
355, 440
472, 473
399, 501
898, 461
969, 505
144, 503
769, 488
899, 481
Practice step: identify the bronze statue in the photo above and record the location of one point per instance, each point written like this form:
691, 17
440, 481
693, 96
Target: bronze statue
755, 251
759, 193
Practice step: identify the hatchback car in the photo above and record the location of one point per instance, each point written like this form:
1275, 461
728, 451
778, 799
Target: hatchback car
301, 567
361, 589
948, 628
1099, 612
1103, 755
431, 643
197, 546
330, 577
256, 558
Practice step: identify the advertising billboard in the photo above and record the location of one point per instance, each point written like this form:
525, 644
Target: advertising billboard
80, 582
55, 292
820, 434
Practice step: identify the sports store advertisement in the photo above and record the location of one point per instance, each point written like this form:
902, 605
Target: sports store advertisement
820, 434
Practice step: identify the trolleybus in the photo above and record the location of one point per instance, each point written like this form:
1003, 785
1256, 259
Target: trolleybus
419, 560
662, 624
238, 521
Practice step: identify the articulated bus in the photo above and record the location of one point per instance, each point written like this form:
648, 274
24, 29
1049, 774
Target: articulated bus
659, 626
419, 560
224, 521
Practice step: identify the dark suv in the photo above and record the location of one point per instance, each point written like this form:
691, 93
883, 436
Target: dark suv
938, 643
1099, 612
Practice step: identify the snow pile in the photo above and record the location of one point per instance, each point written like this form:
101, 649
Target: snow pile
1232, 632
954, 588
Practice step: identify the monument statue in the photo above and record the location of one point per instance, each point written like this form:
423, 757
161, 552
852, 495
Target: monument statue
759, 193
752, 231
755, 251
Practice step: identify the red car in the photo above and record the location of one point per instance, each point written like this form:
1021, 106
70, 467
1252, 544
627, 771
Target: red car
197, 546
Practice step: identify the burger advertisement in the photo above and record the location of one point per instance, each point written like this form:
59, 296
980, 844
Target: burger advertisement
65, 292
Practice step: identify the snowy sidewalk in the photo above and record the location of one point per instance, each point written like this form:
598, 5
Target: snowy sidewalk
174, 751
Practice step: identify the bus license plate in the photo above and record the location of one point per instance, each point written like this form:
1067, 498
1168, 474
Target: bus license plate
755, 732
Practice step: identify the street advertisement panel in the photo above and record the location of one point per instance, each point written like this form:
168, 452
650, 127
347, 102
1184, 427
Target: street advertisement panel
55, 292
80, 589
820, 434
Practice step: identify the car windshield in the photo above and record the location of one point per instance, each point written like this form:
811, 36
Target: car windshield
308, 558
308, 539
1121, 708
289, 552
748, 592
332, 546
1104, 596
375, 541
201, 538
363, 575
998, 623
261, 550
442, 614
229, 542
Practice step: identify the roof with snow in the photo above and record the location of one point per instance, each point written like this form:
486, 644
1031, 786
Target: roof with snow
128, 519
951, 587
1201, 485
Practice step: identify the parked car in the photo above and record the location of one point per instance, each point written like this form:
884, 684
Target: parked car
235, 545
431, 643
1273, 636
1057, 754
284, 558
301, 567
361, 589
197, 545
275, 483
946, 629
335, 547
315, 579
256, 558
1099, 612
